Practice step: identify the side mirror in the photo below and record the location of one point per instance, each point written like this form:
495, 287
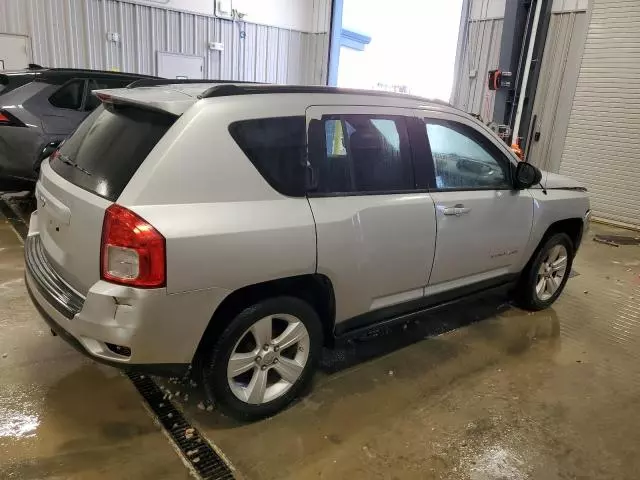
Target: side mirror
527, 175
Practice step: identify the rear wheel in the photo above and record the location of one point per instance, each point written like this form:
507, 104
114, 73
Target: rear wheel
264, 358
547, 274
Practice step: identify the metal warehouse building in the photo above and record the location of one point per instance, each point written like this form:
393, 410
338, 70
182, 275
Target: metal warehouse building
584, 116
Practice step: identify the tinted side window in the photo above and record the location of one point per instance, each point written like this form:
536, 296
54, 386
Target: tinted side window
462, 160
69, 96
361, 153
276, 147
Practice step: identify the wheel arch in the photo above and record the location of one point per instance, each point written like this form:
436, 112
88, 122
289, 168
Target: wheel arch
315, 289
573, 227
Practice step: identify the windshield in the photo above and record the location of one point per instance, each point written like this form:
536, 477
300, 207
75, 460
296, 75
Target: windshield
109, 146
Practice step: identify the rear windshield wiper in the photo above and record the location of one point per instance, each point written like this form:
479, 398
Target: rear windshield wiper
66, 160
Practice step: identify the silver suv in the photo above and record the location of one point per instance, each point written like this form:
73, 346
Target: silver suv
241, 228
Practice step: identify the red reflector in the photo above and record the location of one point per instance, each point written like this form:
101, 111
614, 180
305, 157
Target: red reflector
132, 251
4, 118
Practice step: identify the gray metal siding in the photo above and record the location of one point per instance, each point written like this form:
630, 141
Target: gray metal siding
601, 147
72, 33
478, 52
556, 87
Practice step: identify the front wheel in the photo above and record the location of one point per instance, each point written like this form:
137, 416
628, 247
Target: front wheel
547, 274
264, 358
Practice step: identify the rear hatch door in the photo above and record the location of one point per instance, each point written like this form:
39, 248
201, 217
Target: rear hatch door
84, 177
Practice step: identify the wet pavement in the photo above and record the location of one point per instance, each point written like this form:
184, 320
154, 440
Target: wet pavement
502, 394
63, 416
482, 391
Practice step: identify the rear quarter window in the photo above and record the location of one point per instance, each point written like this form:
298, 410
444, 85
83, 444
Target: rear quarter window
69, 96
276, 147
109, 147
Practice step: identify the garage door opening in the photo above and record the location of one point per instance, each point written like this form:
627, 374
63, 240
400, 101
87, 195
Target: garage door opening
408, 46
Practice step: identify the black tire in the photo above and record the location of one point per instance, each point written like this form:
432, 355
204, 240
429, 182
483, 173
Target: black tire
525, 294
214, 364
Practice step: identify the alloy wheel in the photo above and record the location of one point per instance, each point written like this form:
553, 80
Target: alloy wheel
268, 359
551, 272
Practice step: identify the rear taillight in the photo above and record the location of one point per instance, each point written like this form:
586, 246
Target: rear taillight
132, 251
7, 119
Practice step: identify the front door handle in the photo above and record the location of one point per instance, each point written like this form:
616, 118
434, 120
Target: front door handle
457, 210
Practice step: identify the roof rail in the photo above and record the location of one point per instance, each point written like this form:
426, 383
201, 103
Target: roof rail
253, 89
151, 82
65, 70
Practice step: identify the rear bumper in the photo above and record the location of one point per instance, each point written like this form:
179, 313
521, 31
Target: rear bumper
162, 331
168, 370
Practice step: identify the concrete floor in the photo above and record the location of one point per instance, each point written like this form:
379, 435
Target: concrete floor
482, 392
63, 416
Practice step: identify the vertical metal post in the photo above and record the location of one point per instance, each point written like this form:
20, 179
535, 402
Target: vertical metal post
511, 49
334, 42
527, 67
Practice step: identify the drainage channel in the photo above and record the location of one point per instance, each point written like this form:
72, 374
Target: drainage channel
198, 454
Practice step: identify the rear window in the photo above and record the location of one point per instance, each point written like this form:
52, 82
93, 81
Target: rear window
276, 147
109, 146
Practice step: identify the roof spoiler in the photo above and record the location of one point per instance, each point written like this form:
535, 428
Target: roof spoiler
109, 99
150, 82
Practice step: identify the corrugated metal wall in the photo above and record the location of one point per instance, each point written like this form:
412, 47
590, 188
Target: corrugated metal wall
601, 148
556, 87
73, 33
478, 52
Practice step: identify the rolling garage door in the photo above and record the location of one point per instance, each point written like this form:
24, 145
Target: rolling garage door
602, 147
556, 86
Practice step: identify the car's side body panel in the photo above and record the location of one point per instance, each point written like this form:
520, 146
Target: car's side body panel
553, 206
487, 238
232, 245
226, 227
376, 246
490, 239
377, 250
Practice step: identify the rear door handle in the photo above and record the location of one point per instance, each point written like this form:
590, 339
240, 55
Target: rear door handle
457, 210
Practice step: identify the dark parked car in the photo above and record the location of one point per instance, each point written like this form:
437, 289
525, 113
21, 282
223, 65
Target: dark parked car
42, 106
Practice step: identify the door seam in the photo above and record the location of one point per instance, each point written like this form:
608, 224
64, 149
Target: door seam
315, 231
